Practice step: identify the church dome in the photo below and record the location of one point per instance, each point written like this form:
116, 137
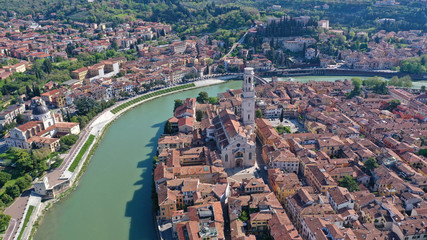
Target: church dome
40, 109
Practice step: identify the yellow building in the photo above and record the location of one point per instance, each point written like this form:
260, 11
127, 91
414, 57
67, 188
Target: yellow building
167, 202
330, 145
283, 184
286, 189
385, 187
259, 221
319, 179
79, 74
315, 127
60, 100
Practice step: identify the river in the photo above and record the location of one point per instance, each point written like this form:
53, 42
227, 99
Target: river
113, 200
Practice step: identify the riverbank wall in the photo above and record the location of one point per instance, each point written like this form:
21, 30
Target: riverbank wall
293, 72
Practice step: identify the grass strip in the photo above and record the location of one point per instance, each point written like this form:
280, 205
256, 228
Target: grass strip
81, 153
153, 94
26, 220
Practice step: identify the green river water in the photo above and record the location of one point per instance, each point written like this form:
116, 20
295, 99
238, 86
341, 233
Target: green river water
112, 201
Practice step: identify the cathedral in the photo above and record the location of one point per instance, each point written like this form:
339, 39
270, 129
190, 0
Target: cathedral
235, 137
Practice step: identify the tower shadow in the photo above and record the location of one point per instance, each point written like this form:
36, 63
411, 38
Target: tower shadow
141, 226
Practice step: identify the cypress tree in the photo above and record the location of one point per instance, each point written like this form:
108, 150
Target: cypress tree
168, 128
281, 116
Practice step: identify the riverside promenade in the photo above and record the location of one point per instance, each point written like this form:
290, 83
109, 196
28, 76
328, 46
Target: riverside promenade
95, 127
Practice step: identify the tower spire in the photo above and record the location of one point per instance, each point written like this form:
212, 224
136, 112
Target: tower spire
248, 97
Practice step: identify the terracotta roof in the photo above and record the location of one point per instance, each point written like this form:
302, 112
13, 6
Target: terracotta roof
24, 127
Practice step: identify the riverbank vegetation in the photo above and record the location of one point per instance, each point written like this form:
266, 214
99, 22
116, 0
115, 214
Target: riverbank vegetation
82, 151
26, 220
203, 97
149, 95
416, 65
87, 109
405, 81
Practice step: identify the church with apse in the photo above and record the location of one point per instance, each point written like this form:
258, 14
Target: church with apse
235, 136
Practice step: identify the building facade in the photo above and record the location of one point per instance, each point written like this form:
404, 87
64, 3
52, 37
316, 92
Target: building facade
248, 98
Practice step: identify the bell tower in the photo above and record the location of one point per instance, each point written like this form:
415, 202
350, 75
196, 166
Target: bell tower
248, 97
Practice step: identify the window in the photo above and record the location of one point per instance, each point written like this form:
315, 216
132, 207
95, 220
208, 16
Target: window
226, 157
250, 156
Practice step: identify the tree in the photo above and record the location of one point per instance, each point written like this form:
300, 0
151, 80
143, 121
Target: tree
213, 100
68, 116
395, 81
19, 119
24, 163
283, 129
36, 90
4, 177
381, 88
423, 152
393, 104
57, 162
28, 91
47, 66
13, 191
244, 216
258, 113
114, 45
69, 139
190, 75
168, 128
423, 88
371, 163
6, 198
357, 83
407, 81
199, 115
84, 105
178, 103
203, 97
348, 182
4, 221
281, 116
24, 182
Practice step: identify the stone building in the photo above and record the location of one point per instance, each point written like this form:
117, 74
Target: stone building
236, 140
248, 98
42, 132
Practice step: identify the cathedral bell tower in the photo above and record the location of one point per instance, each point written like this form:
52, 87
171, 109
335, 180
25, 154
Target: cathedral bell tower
248, 97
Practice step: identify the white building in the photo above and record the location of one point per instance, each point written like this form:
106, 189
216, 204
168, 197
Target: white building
323, 24
248, 98
340, 198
